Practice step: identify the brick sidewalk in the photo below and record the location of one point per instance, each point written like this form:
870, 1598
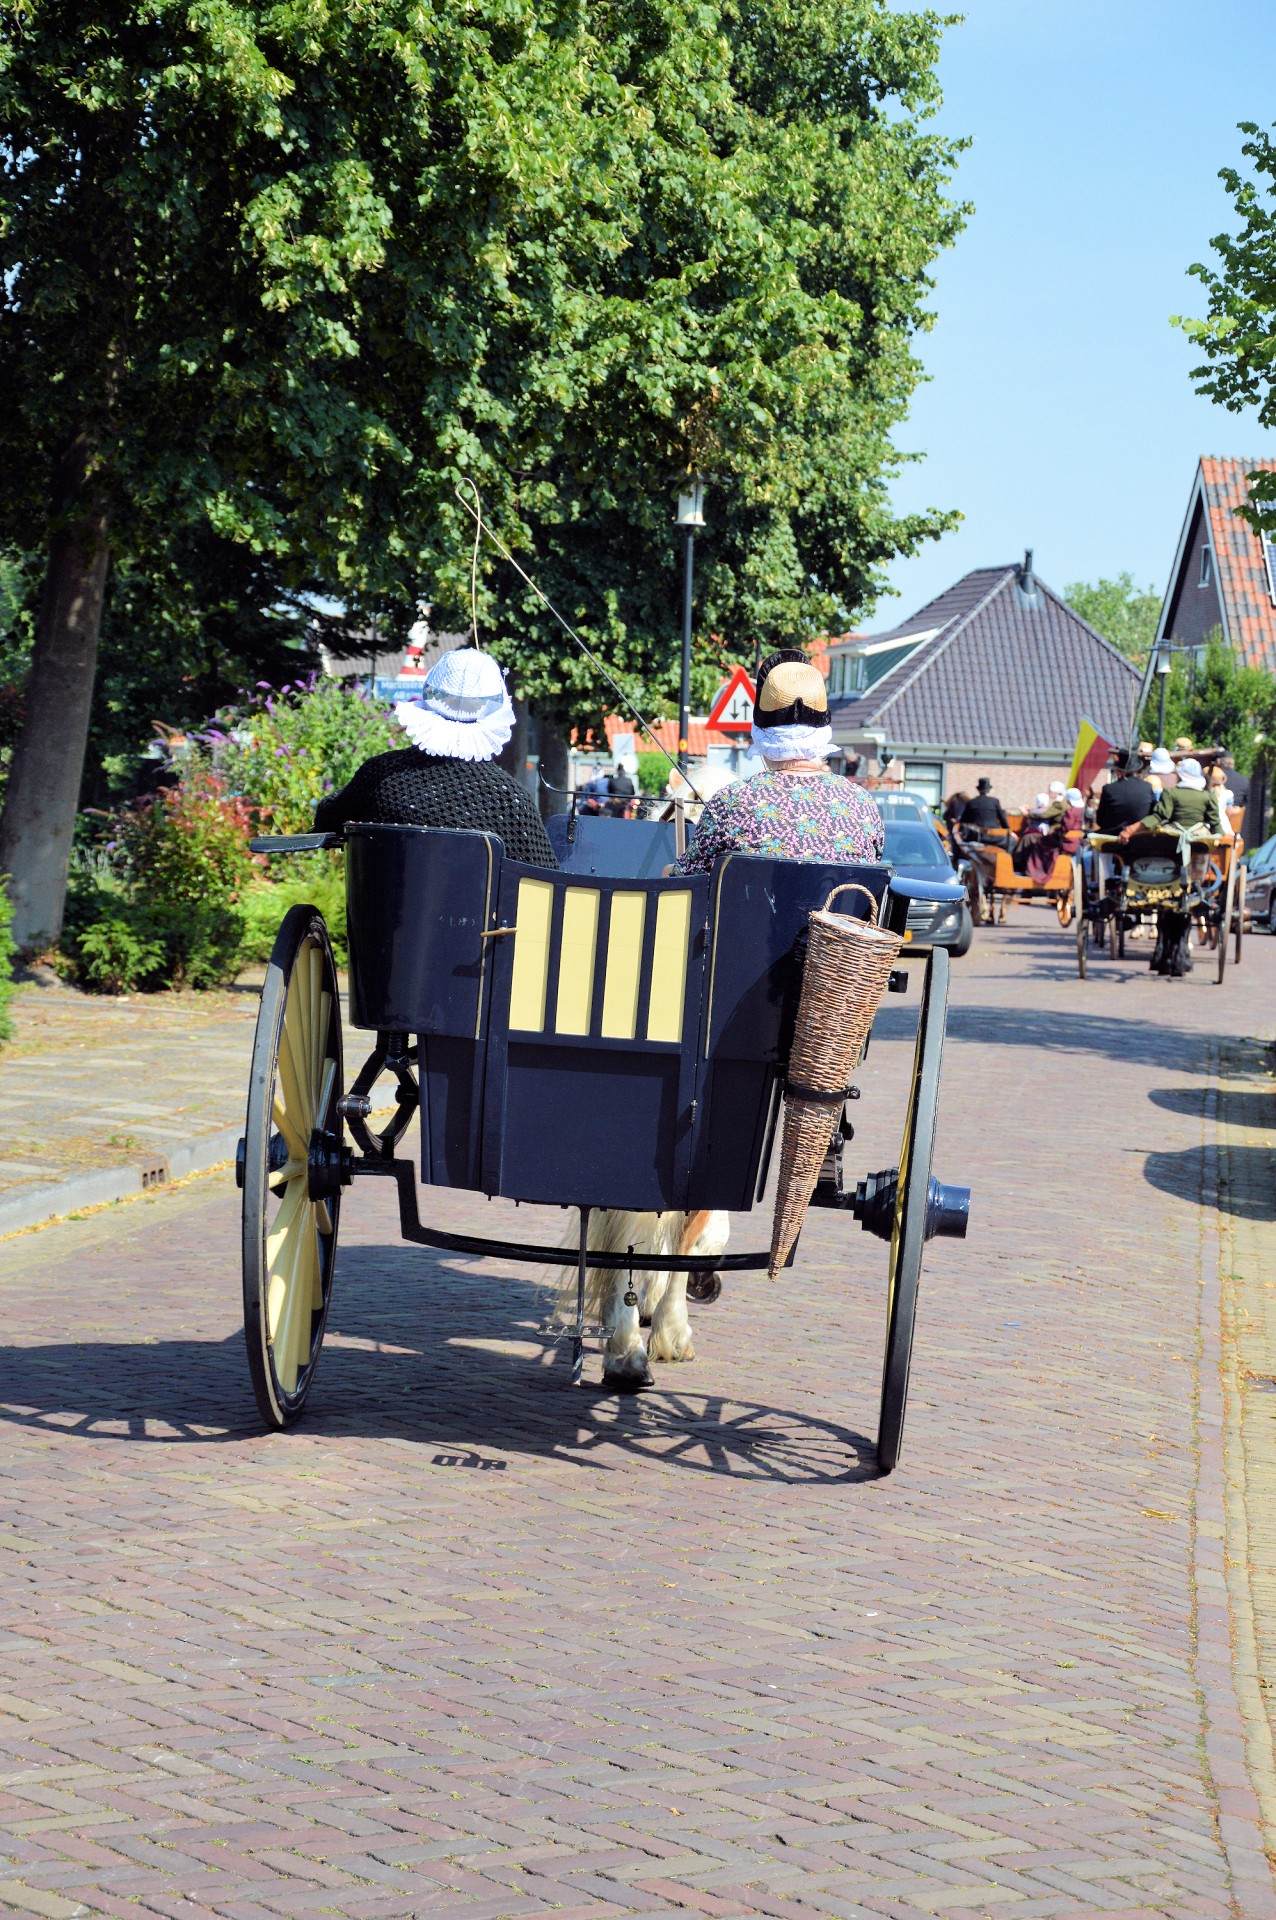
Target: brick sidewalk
98, 1081
468, 1643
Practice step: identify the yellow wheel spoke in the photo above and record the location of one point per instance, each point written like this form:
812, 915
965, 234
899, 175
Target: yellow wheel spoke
276, 1258
316, 1036
294, 1078
298, 1257
292, 1139
292, 1049
324, 1102
323, 1219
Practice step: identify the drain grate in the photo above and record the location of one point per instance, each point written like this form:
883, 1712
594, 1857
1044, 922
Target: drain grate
154, 1172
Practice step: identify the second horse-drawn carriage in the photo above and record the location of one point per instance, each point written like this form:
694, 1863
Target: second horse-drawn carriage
511, 1005
1178, 886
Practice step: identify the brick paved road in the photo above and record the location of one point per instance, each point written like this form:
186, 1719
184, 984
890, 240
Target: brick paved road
467, 1643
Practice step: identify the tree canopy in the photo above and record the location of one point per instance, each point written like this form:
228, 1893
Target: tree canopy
1238, 335
1124, 614
277, 276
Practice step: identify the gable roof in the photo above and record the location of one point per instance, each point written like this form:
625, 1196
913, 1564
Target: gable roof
1006, 671
1244, 600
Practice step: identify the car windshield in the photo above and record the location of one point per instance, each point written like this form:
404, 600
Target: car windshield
1262, 857
911, 844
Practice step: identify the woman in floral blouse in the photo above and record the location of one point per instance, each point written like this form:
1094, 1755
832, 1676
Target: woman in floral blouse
796, 810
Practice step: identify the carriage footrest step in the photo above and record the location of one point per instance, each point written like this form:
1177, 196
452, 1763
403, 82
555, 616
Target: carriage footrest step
947, 1208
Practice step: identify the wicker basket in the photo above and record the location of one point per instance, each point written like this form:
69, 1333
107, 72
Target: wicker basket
848, 963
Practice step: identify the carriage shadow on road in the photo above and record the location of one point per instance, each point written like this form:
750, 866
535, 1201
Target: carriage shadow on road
429, 1365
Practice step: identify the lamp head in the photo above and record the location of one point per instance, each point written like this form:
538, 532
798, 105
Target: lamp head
691, 504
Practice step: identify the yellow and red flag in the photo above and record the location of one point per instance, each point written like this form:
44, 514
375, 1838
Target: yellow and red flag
1090, 758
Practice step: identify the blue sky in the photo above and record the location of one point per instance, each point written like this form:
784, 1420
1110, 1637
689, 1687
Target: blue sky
1059, 413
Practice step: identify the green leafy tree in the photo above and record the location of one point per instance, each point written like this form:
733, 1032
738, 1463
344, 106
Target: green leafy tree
1124, 614
1238, 335
1217, 701
284, 274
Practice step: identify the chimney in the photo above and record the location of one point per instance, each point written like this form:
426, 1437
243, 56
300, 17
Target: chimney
1027, 579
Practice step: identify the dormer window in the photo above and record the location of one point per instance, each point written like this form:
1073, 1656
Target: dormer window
1207, 567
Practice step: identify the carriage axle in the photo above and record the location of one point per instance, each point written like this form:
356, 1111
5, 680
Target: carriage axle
947, 1207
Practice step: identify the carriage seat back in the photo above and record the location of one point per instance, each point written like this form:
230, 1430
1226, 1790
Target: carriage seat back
599, 844
1150, 861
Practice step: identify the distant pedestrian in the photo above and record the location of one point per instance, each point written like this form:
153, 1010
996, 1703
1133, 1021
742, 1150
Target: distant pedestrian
620, 791
1238, 783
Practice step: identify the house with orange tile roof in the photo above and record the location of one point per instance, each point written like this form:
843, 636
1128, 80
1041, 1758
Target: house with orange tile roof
1224, 574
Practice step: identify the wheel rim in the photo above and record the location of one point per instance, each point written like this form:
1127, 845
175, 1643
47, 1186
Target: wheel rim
1223, 931
289, 1237
908, 1227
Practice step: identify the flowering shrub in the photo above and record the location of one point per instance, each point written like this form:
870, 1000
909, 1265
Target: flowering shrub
168, 893
288, 746
159, 901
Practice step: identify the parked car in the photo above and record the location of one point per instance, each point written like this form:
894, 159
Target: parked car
900, 805
1260, 885
914, 848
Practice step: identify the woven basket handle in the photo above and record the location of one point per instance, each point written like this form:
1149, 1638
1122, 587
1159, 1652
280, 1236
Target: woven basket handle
853, 886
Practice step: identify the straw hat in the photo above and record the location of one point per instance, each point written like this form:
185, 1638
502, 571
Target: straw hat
791, 692
791, 712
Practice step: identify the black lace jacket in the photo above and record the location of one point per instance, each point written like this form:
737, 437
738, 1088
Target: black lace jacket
413, 788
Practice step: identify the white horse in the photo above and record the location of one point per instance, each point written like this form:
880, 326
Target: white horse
658, 1297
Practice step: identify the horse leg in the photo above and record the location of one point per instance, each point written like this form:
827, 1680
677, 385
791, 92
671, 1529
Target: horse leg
704, 1231
624, 1356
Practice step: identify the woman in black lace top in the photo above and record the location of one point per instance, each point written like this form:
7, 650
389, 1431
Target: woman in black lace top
448, 777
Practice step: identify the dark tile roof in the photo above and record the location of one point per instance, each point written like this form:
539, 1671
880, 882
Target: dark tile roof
1001, 673
1248, 614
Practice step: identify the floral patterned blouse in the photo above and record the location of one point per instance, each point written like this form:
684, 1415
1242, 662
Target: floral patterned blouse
789, 816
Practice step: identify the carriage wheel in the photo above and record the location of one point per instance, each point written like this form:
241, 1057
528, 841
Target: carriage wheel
1224, 928
912, 1191
975, 894
1066, 904
1239, 912
290, 1239
1083, 925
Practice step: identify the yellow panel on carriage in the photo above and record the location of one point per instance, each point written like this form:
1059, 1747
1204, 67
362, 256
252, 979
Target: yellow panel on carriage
666, 1004
624, 966
577, 952
531, 956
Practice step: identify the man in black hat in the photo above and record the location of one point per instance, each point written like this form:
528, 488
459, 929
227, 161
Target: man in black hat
1126, 797
985, 811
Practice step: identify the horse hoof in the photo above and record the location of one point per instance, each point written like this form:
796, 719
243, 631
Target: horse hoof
704, 1287
627, 1382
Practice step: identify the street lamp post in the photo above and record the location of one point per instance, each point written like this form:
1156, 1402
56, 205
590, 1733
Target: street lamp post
690, 516
1164, 668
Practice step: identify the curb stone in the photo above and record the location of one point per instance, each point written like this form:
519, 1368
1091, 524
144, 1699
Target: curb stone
51, 1201
1224, 1623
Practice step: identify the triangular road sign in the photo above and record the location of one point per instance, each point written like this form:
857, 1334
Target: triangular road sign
732, 710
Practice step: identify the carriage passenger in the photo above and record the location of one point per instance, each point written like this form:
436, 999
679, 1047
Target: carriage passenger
448, 777
1190, 804
796, 809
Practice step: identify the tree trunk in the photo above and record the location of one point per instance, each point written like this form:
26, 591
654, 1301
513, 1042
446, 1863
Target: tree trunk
48, 762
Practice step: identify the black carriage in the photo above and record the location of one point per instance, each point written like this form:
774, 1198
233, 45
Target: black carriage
509, 1005
1116, 887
